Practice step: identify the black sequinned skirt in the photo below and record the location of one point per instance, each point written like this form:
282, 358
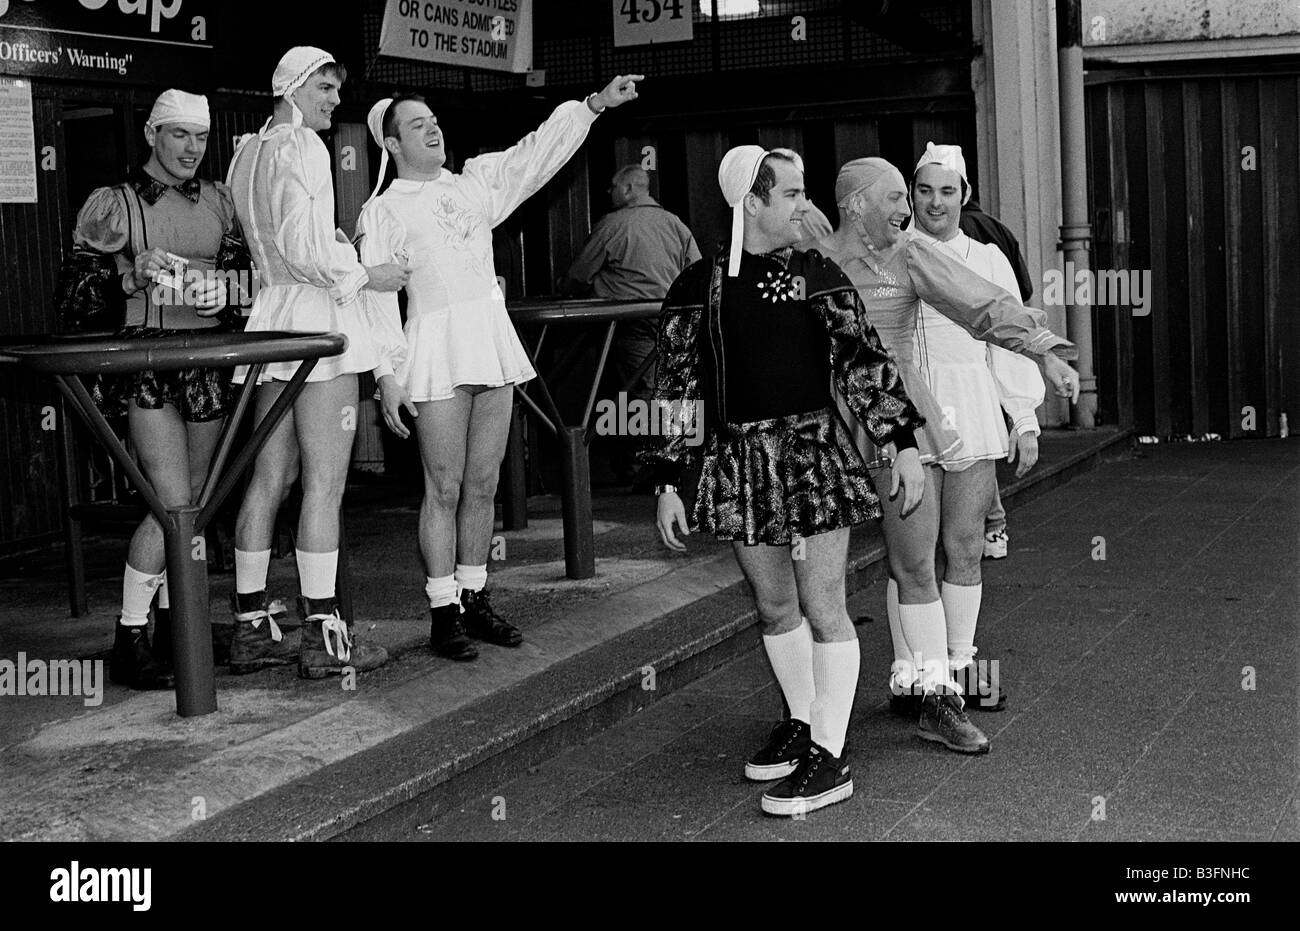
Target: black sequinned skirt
198, 394
772, 481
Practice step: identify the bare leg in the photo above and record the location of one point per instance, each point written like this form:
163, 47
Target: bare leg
325, 418
819, 578
911, 540
770, 574
911, 543
274, 473
787, 639
967, 496
489, 430
442, 429
174, 457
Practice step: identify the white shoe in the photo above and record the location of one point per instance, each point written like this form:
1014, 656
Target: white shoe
995, 544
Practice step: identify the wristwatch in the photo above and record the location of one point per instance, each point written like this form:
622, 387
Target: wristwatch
591, 106
665, 490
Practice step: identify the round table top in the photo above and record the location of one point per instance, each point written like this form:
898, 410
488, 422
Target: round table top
579, 310
100, 353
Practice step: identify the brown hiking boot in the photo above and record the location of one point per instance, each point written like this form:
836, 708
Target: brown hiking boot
329, 645
258, 640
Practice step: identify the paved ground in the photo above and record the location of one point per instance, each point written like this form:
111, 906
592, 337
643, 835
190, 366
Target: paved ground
1153, 692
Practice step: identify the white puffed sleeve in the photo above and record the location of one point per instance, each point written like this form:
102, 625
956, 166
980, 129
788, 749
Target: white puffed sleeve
501, 181
1019, 382
383, 240
301, 195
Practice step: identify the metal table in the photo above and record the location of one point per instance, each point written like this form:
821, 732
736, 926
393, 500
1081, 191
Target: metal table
575, 466
68, 358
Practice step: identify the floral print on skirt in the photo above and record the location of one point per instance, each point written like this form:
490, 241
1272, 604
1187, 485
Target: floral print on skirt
198, 394
773, 481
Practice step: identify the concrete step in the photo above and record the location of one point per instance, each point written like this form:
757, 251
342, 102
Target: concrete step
677, 628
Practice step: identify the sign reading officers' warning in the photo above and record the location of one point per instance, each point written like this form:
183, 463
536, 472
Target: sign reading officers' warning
495, 34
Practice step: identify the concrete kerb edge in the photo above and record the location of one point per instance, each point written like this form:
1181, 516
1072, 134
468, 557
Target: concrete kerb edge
456, 777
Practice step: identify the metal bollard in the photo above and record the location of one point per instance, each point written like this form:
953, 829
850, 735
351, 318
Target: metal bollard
187, 576
579, 539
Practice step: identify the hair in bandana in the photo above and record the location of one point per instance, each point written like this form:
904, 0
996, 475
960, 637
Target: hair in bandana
946, 156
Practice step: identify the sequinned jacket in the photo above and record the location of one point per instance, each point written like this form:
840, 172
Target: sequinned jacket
862, 369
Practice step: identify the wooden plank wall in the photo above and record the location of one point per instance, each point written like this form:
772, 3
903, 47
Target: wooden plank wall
1176, 189
29, 235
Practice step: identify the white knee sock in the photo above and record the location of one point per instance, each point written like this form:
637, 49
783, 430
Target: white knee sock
164, 598
470, 578
961, 608
441, 591
835, 671
902, 674
137, 594
250, 570
791, 656
316, 573
927, 635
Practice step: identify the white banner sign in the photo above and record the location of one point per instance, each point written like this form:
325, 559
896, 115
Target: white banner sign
495, 34
17, 144
647, 22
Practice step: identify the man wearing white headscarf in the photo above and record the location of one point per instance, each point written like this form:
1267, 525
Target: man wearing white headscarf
749, 344
463, 355
973, 383
894, 271
310, 280
126, 237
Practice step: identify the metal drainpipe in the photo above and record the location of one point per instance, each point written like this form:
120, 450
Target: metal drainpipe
1076, 231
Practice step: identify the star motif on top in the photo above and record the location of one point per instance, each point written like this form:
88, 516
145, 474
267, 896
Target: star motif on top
778, 286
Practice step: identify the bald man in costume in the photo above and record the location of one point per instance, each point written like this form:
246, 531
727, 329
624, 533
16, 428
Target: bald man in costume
749, 342
894, 271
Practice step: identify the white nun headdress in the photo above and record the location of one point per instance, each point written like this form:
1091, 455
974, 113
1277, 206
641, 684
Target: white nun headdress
297, 65
736, 176
375, 121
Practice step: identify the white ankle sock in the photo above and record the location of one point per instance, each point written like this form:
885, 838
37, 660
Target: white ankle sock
250, 570
791, 656
316, 573
470, 578
164, 597
927, 635
961, 608
441, 591
137, 594
835, 671
902, 674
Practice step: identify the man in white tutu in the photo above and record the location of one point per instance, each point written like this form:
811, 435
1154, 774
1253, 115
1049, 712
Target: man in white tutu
310, 280
973, 382
464, 357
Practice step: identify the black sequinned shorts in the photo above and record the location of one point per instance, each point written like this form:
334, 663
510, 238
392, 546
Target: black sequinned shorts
772, 481
198, 394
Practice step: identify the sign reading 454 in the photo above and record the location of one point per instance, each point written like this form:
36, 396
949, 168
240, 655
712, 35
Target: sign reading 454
647, 22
